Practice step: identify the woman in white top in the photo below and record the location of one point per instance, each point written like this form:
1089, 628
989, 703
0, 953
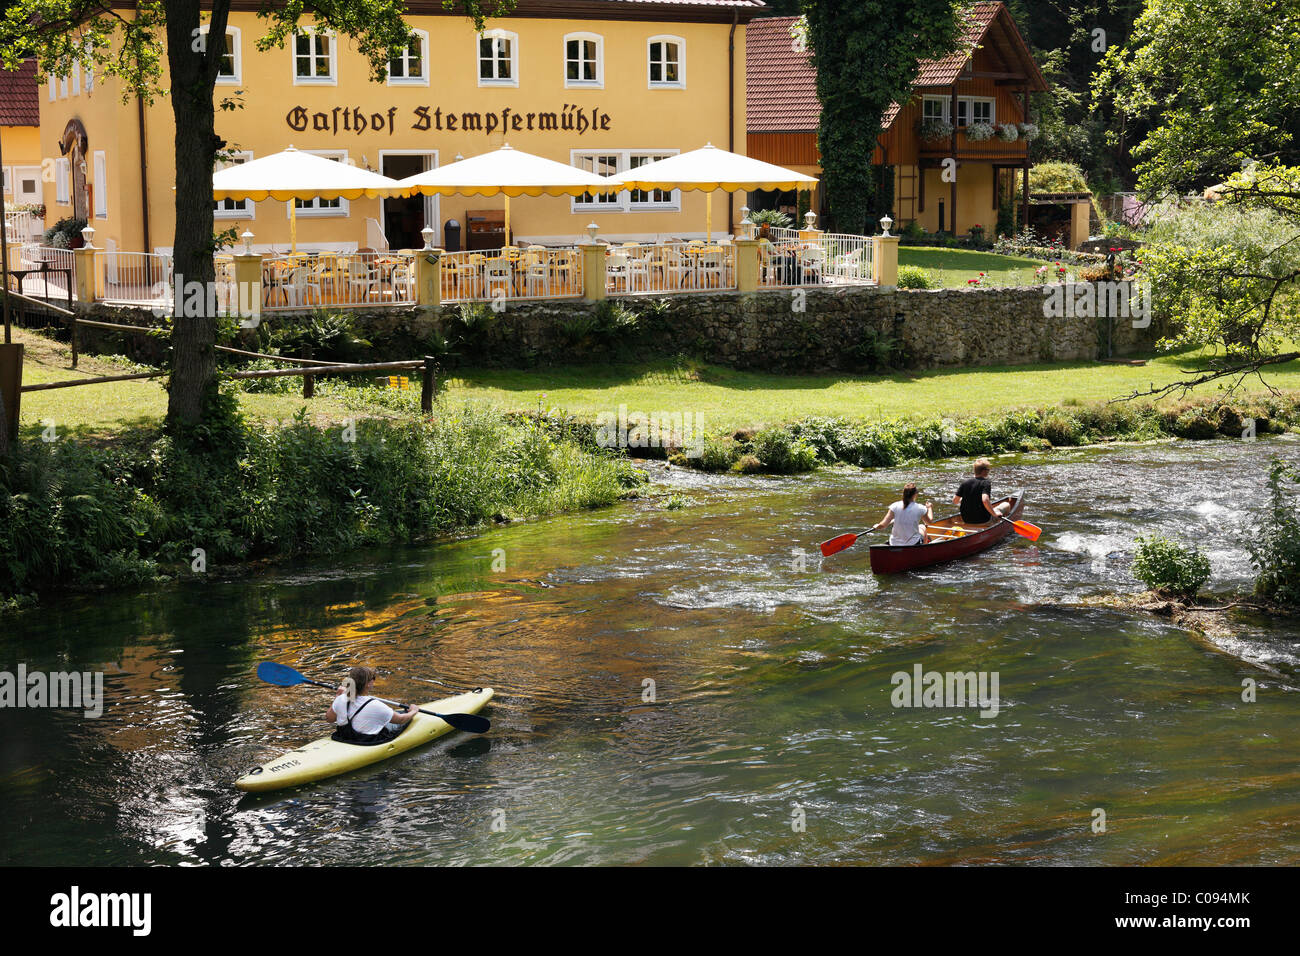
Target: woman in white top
905, 516
362, 719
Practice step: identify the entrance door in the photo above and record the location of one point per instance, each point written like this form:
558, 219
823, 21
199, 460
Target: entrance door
404, 217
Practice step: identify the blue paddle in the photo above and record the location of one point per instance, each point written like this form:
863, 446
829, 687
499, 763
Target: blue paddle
282, 676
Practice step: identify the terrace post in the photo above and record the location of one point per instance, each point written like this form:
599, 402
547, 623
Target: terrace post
84, 272
884, 254
810, 232
428, 278
746, 265
248, 287
593, 271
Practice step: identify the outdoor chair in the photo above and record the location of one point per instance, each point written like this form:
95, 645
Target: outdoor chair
300, 284
498, 273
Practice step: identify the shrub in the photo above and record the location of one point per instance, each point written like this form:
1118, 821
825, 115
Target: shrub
770, 217
1061, 430
718, 454
782, 452
1275, 543
1166, 566
914, 277
1057, 177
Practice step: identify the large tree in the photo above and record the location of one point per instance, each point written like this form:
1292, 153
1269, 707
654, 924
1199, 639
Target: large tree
867, 54
132, 42
1218, 82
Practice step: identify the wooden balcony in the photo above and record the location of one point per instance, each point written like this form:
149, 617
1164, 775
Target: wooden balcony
994, 150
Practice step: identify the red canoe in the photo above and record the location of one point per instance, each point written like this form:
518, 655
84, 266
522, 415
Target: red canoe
950, 538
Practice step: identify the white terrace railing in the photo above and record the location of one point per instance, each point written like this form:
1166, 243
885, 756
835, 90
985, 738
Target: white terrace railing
133, 277
665, 267
54, 283
22, 226
786, 259
533, 273
351, 280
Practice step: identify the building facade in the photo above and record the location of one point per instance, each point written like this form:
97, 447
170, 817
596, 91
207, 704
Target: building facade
946, 183
20, 140
605, 85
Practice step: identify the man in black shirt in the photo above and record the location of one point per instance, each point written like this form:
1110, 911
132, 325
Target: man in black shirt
974, 496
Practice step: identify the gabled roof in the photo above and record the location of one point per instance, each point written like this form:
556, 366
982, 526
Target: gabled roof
781, 87
19, 105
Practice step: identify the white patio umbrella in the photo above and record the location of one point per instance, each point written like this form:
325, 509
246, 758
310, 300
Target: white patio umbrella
505, 172
710, 169
293, 174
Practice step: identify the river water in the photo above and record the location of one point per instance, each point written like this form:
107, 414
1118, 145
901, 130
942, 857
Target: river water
767, 735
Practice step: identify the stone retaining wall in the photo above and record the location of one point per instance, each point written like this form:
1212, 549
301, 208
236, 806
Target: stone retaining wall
791, 330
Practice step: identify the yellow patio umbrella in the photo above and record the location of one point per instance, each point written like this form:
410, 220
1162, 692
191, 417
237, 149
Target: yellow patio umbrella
710, 169
505, 172
294, 174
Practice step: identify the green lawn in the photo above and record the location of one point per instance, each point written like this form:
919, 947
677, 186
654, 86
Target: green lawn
953, 267
727, 399
96, 409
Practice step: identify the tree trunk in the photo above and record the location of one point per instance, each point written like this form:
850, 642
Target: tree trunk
193, 79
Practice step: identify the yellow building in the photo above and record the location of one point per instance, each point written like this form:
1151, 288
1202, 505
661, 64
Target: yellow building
20, 140
606, 85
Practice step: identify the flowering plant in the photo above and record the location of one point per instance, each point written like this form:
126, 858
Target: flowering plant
936, 130
1008, 132
979, 132
1028, 131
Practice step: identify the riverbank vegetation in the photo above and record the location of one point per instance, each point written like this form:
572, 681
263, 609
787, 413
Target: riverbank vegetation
79, 514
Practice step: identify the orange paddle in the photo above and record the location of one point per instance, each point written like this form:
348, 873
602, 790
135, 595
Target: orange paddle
840, 542
1025, 529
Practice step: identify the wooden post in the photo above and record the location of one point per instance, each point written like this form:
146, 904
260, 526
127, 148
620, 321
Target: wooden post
429, 385
73, 321
11, 384
952, 205
1025, 193
308, 381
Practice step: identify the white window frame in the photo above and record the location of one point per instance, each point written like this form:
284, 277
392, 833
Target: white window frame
594, 84
235, 208
32, 172
9, 179
497, 34
76, 77
99, 164
680, 82
63, 87
235, 49
423, 78
63, 181
90, 76
313, 208
966, 102
54, 89
332, 58
623, 200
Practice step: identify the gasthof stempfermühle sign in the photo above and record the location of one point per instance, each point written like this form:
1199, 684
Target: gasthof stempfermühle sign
571, 118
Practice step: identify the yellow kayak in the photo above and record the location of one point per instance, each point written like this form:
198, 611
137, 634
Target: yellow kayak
327, 758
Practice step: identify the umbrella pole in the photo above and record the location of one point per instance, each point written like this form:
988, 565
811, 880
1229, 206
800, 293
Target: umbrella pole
293, 227
508, 221
708, 216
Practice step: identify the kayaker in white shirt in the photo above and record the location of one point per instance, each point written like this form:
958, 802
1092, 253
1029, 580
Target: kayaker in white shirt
905, 516
362, 716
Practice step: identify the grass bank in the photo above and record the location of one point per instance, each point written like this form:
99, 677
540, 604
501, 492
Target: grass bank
953, 268
78, 514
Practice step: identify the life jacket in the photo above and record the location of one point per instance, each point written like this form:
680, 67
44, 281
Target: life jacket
347, 734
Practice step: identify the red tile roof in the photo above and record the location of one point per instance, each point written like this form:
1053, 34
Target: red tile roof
781, 85
781, 89
18, 103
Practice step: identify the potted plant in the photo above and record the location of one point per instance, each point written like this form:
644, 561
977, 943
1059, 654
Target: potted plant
765, 219
979, 132
936, 130
1008, 132
65, 234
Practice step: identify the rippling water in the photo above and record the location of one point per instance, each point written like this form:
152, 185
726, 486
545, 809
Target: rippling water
771, 671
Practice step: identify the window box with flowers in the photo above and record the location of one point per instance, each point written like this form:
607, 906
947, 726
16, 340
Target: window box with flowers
1028, 131
1008, 132
979, 132
936, 131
